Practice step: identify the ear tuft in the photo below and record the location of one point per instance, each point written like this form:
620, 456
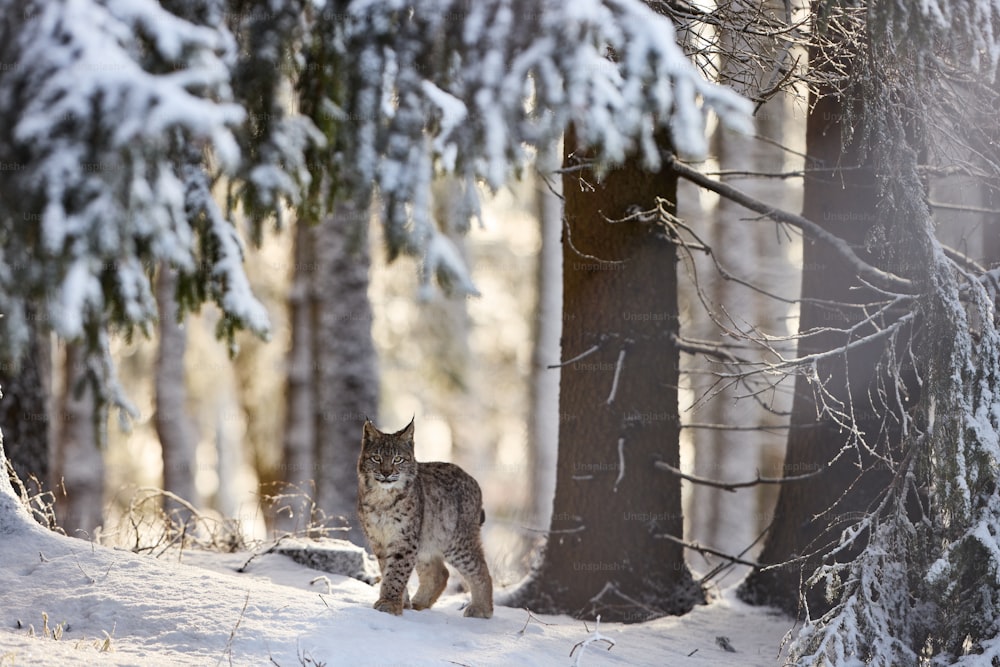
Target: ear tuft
407, 431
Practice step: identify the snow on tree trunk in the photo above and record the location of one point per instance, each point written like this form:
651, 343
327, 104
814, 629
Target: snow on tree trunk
79, 461
24, 408
299, 460
543, 416
345, 371
605, 553
173, 423
924, 585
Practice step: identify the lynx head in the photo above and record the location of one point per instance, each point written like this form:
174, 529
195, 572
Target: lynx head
387, 458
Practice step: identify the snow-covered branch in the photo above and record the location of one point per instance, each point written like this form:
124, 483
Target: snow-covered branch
476, 90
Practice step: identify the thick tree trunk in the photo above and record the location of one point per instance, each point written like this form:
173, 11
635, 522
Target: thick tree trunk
173, 424
79, 461
841, 196
345, 373
618, 410
24, 408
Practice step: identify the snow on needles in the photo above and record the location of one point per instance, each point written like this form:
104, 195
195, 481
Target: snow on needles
117, 110
108, 104
496, 82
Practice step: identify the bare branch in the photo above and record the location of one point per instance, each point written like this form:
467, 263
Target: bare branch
700, 347
733, 486
880, 279
618, 372
586, 353
694, 546
734, 427
964, 208
621, 463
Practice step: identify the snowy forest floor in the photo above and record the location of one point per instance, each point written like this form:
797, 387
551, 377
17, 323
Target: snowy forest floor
200, 611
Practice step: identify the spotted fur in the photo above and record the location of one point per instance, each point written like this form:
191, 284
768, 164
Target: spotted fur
419, 516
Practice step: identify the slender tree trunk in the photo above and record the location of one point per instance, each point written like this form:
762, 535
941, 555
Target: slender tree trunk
79, 461
618, 406
300, 424
345, 371
173, 424
444, 330
24, 408
543, 416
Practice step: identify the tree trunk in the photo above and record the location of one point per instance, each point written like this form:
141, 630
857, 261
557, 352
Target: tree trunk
841, 196
543, 415
443, 329
24, 408
618, 410
173, 424
345, 373
299, 459
729, 521
79, 461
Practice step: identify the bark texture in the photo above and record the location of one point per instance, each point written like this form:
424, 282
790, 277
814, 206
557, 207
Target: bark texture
841, 196
345, 369
79, 461
24, 409
298, 462
173, 423
618, 410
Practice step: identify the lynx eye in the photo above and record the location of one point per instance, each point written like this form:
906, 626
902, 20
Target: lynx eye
397, 459
376, 458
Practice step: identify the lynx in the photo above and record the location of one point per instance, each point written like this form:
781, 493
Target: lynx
420, 515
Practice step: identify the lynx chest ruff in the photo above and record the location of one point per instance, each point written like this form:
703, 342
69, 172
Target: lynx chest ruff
419, 516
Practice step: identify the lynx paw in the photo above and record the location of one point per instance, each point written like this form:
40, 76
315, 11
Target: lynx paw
419, 604
477, 611
394, 607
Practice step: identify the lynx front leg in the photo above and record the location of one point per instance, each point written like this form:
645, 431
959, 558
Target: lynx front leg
471, 564
396, 569
433, 578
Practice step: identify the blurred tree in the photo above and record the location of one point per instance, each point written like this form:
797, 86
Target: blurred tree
25, 419
723, 412
543, 415
442, 332
299, 444
345, 371
173, 423
840, 195
78, 470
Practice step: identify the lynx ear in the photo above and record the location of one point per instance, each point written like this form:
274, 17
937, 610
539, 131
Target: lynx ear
368, 432
407, 432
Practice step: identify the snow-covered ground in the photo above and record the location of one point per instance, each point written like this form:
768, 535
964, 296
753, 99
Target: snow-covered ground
202, 612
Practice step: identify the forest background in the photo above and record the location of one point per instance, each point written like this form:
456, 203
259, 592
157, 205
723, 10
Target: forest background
703, 327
